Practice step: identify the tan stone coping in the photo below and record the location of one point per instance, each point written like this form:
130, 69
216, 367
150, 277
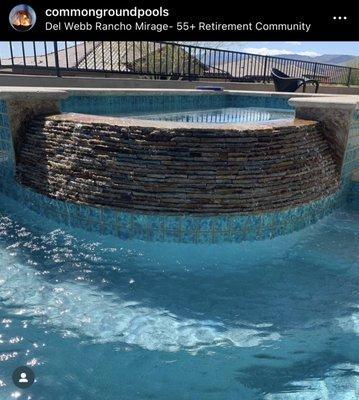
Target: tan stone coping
173, 125
63, 92
77, 91
355, 175
31, 93
168, 92
338, 102
295, 99
143, 92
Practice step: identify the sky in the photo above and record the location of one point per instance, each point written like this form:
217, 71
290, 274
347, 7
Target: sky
303, 48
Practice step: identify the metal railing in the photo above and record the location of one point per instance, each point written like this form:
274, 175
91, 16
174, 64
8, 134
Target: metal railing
161, 60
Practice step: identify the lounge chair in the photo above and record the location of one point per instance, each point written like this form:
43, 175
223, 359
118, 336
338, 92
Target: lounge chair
285, 83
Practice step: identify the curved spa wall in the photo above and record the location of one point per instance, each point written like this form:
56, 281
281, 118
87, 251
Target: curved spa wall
76, 139
163, 167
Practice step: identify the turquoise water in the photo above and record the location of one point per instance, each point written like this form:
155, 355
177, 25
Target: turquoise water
223, 115
151, 103
100, 318
212, 108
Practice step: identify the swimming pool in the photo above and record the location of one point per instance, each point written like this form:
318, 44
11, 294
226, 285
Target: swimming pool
98, 318
217, 300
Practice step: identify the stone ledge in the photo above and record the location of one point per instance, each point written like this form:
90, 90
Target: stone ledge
183, 126
30, 93
78, 91
63, 92
333, 102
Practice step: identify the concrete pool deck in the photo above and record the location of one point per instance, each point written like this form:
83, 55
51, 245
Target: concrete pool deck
113, 81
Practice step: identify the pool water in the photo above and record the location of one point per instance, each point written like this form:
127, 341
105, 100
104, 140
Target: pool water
98, 318
223, 115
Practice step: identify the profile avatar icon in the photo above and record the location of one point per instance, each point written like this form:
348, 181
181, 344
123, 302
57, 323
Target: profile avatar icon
22, 18
23, 378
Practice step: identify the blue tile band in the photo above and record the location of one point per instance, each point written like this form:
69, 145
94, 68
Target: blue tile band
181, 228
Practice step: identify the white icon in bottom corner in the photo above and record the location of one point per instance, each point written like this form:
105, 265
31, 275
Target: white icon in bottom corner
23, 378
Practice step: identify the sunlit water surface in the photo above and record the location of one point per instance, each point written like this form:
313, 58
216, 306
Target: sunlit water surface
223, 115
98, 318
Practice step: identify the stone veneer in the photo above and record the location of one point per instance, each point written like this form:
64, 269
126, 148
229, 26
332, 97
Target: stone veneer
337, 121
339, 117
165, 167
21, 112
351, 155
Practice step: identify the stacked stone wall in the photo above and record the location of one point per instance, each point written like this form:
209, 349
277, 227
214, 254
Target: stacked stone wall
176, 169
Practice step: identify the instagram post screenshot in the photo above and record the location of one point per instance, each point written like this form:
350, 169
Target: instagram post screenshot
179, 201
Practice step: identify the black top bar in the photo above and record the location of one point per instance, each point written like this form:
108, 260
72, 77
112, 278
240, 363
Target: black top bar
181, 21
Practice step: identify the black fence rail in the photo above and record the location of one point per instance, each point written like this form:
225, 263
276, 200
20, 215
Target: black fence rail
161, 60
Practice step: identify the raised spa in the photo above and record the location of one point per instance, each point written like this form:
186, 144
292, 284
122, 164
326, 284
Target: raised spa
175, 168
187, 167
